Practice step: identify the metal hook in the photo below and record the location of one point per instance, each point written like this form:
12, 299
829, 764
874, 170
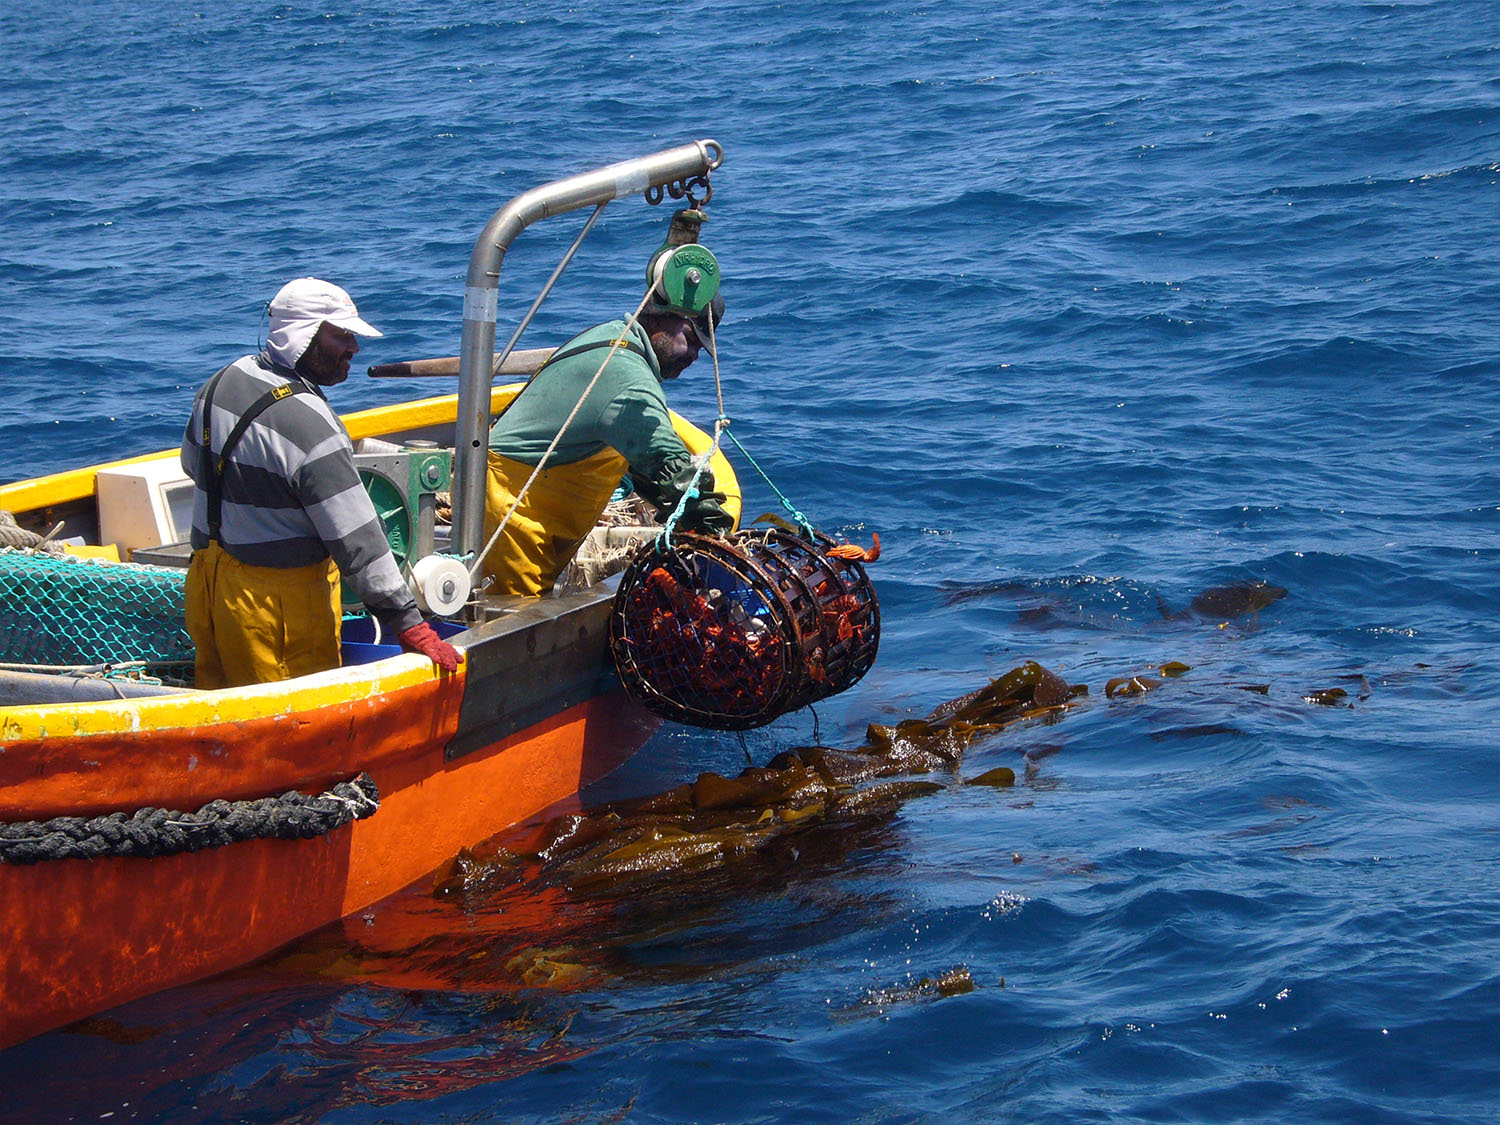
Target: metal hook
681, 189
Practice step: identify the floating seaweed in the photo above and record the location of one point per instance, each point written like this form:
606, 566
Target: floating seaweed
956, 981
1044, 603
715, 820
1236, 600
562, 904
1327, 697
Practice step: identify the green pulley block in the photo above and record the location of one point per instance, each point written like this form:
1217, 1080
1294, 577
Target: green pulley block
686, 278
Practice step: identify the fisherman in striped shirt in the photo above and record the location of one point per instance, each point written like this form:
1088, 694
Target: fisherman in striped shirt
279, 513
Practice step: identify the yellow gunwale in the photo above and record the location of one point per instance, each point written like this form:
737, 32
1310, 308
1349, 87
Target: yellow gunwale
339, 685
190, 710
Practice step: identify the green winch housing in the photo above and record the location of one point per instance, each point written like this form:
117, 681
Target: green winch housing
403, 487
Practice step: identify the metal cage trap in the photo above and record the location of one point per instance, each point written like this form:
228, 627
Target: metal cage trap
730, 633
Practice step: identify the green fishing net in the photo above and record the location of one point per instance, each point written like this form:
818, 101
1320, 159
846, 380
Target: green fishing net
59, 610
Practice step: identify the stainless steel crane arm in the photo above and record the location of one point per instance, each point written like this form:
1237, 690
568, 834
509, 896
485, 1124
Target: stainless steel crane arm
477, 350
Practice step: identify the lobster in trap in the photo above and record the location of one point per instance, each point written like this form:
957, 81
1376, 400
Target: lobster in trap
730, 633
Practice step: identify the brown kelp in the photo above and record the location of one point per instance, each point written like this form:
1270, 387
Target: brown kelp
570, 902
956, 981
1236, 600
1078, 598
716, 821
563, 904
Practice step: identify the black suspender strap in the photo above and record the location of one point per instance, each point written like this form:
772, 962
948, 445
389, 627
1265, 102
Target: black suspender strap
213, 467
628, 344
207, 478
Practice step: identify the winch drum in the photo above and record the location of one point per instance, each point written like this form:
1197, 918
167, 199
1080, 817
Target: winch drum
730, 633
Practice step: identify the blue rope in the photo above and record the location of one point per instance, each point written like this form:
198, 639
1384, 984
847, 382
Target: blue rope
802, 521
663, 542
721, 426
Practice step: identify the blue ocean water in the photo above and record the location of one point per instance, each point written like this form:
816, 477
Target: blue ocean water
1084, 306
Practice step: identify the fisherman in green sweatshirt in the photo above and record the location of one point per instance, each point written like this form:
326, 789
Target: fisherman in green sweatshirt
623, 425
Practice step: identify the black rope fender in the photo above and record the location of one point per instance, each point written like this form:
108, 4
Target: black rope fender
154, 832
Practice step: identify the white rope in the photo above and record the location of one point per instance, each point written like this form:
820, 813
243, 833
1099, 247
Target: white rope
356, 805
85, 669
541, 464
721, 423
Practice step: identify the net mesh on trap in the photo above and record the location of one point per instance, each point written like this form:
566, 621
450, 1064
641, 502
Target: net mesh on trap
729, 633
60, 610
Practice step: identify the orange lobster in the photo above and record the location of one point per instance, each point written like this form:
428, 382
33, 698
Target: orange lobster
731, 664
856, 553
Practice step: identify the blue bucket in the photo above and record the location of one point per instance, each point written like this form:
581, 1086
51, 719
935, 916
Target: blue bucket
357, 639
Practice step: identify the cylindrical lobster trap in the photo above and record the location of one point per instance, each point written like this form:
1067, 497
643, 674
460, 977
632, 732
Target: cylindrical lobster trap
730, 633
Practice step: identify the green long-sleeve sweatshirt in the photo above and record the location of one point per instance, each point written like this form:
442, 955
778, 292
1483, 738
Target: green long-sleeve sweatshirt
626, 410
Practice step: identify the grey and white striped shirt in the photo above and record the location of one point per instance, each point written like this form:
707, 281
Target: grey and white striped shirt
291, 494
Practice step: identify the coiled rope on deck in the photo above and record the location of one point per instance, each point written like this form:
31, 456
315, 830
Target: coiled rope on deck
153, 832
17, 537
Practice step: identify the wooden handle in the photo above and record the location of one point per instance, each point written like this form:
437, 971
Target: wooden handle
524, 362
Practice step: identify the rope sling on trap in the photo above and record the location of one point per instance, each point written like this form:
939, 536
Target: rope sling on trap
727, 632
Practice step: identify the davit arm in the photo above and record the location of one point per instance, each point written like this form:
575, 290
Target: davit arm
477, 350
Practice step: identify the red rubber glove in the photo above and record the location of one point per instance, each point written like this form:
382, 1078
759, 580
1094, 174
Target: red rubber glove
421, 638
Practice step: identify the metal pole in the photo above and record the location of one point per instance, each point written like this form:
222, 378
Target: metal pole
505, 353
477, 347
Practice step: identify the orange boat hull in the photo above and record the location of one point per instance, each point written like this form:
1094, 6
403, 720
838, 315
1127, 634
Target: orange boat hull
535, 713
83, 935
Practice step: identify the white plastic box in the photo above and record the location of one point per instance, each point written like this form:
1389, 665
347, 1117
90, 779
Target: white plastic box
149, 504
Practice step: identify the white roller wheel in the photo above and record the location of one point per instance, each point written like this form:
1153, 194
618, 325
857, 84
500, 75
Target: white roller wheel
440, 584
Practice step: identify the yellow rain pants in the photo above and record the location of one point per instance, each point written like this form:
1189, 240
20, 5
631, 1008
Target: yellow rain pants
555, 517
256, 624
